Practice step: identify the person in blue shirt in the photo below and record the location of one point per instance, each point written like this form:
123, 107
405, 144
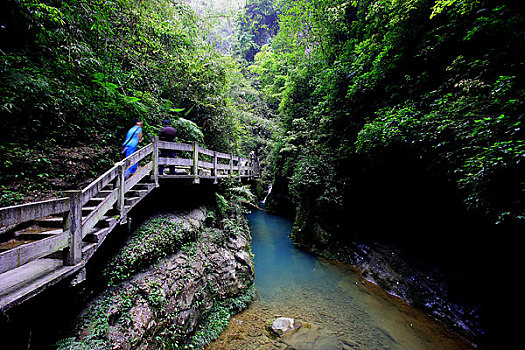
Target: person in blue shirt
130, 145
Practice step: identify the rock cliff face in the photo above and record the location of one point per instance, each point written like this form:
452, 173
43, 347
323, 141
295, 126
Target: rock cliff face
183, 298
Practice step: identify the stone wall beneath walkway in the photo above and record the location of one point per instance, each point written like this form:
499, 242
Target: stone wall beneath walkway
169, 303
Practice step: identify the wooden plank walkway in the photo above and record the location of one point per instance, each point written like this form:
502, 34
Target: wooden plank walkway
42, 243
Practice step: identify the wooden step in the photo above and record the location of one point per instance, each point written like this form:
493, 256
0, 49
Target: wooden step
97, 235
131, 200
104, 193
26, 281
88, 249
107, 221
141, 193
51, 221
89, 209
36, 234
96, 199
144, 186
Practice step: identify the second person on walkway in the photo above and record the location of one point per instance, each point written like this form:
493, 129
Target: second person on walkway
167, 133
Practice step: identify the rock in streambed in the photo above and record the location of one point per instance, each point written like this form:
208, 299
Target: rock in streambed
284, 325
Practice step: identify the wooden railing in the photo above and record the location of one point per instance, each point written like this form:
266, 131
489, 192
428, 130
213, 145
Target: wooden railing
108, 193
26, 212
218, 164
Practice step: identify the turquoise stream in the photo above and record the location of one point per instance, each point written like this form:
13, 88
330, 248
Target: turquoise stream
294, 283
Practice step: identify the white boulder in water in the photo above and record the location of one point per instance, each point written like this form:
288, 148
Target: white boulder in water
284, 325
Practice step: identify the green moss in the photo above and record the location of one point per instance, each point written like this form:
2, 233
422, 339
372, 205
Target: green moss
218, 317
152, 241
97, 319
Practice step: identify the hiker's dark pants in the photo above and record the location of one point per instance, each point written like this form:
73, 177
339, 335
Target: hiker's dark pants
170, 154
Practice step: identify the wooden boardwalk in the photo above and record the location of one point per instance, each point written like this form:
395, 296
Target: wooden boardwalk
45, 242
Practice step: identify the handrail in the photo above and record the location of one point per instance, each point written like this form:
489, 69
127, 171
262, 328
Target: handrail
21, 255
244, 167
93, 188
17, 214
75, 227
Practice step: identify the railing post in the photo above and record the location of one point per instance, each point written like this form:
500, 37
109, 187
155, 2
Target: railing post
196, 163
231, 164
155, 159
214, 167
239, 169
74, 224
121, 183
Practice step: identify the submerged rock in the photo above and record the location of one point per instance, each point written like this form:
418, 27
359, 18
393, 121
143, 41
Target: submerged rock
314, 338
309, 337
284, 325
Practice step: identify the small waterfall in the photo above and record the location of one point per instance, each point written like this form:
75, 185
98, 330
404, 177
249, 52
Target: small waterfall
269, 191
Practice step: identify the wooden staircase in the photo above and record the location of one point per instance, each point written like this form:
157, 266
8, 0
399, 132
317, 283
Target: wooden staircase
45, 242
27, 280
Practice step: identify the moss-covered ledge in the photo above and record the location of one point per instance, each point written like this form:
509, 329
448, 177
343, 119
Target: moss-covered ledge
173, 286
156, 238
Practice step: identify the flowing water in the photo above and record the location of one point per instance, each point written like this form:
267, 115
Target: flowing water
337, 308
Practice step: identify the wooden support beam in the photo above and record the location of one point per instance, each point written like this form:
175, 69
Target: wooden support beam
121, 184
214, 171
155, 160
74, 221
196, 179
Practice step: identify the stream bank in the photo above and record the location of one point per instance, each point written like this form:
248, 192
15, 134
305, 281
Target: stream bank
442, 261
465, 283
334, 307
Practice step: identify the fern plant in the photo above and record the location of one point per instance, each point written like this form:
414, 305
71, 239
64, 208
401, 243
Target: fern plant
188, 130
88, 343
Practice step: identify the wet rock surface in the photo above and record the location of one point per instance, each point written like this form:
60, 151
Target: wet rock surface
252, 330
165, 302
423, 288
284, 325
394, 270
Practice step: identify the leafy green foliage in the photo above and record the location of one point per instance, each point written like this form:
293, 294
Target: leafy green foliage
88, 343
188, 130
218, 317
158, 238
256, 24
81, 72
232, 196
356, 80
